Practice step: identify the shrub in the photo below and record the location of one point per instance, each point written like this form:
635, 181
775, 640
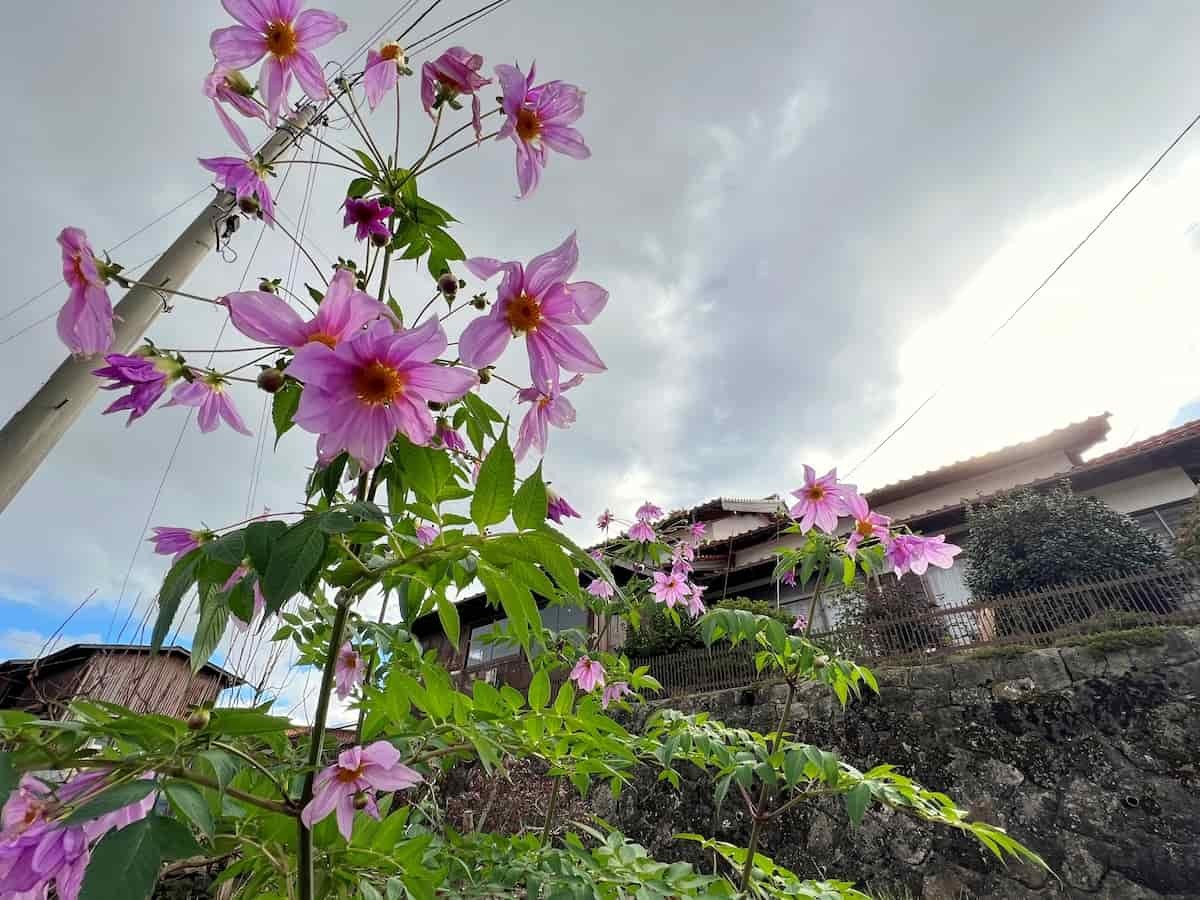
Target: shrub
874, 608
658, 633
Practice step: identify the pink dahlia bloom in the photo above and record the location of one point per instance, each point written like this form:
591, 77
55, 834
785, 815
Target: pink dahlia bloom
358, 772
359, 394
801, 623
545, 410
789, 578
604, 520
539, 118
670, 588
683, 554
426, 535
450, 439
369, 218
695, 602
168, 540
557, 508
697, 531
453, 73
588, 674
349, 670
207, 393
147, 377
598, 587
648, 512
267, 317
867, 524
244, 179
915, 553
822, 501
536, 301
383, 71
85, 323
613, 693
260, 602
278, 30
642, 532
226, 85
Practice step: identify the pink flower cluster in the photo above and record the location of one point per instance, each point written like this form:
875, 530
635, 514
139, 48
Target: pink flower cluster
352, 781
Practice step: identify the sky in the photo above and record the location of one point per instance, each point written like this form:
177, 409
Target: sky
808, 217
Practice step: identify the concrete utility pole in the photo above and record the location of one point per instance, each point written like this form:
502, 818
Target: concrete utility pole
32, 432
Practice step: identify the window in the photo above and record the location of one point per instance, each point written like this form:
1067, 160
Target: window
1164, 522
947, 585
480, 653
560, 618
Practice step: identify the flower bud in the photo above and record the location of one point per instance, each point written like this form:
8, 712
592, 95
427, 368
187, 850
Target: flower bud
435, 405
270, 380
249, 205
448, 285
479, 302
360, 800
485, 375
380, 240
821, 661
199, 719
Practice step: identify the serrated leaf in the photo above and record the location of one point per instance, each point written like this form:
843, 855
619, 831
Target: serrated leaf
173, 839
230, 549
494, 488
358, 188
529, 502
112, 799
180, 577
293, 558
214, 616
189, 801
260, 538
857, 800
284, 404
539, 689
124, 864
448, 616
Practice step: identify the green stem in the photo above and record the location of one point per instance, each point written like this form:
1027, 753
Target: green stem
449, 156
550, 809
369, 674
284, 809
759, 818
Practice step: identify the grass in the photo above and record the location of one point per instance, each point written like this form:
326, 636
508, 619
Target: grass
1124, 639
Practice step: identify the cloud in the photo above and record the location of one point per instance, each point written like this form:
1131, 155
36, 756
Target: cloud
22, 643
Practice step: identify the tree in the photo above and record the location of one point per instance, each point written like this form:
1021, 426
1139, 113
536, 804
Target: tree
886, 611
1188, 544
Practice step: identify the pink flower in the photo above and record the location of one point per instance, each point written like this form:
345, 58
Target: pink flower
557, 508
207, 392
454, 72
359, 771
226, 85
358, 395
587, 674
683, 554
168, 540
260, 602
85, 323
349, 670
147, 377
789, 578
698, 530
596, 554
801, 623
539, 118
648, 512
426, 535
278, 30
642, 532
383, 71
546, 410
670, 588
867, 524
605, 520
269, 318
536, 301
695, 605
369, 218
244, 178
613, 693
450, 439
822, 500
914, 553
598, 587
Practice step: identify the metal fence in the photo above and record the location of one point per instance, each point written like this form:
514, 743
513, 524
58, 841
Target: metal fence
1044, 617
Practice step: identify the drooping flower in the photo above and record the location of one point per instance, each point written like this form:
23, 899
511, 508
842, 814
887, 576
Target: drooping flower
588, 674
916, 553
822, 501
453, 73
597, 554
695, 603
207, 393
147, 377
349, 670
697, 531
358, 773
537, 301
801, 623
545, 410
85, 322
867, 524
648, 512
260, 602
341, 315
244, 178
449, 438
539, 118
789, 578
226, 85
604, 520
642, 532
169, 540
278, 30
600, 587
683, 554
359, 394
613, 693
670, 588
369, 218
557, 508
383, 71
427, 534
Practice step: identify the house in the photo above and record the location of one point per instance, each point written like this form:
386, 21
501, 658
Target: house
1153, 480
130, 675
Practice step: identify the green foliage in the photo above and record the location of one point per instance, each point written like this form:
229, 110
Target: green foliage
870, 605
1187, 546
661, 632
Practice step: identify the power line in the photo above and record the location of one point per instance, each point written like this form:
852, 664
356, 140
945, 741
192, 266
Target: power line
431, 40
1037, 290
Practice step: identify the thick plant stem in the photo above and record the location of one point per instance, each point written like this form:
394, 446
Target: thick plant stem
757, 812
550, 809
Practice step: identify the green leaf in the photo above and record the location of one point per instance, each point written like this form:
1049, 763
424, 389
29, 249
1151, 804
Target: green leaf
223, 765
283, 407
240, 598
856, 803
367, 162
246, 721
9, 776
114, 798
847, 571
230, 549
448, 616
565, 699
358, 188
331, 476
181, 576
336, 521
214, 616
529, 503
260, 538
189, 801
173, 839
293, 558
539, 689
124, 864
494, 489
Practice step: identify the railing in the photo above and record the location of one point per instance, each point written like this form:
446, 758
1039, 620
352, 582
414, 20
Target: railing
1045, 617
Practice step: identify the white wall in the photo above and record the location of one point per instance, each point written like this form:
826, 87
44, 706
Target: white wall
1155, 488
734, 524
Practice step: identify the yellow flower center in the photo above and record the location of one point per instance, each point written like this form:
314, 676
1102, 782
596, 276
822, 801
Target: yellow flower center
322, 337
543, 401
378, 384
281, 39
347, 776
529, 126
865, 528
816, 493
524, 313
392, 51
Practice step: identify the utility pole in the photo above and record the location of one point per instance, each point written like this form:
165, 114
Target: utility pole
32, 432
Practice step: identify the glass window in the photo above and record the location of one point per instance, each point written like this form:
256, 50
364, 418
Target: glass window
560, 618
947, 585
480, 652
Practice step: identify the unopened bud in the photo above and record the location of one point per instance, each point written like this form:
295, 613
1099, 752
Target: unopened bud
266, 287
448, 285
479, 302
361, 800
485, 375
270, 380
821, 661
249, 205
361, 284
380, 240
435, 405
199, 719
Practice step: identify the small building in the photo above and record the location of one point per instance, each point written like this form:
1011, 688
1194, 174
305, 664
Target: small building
133, 676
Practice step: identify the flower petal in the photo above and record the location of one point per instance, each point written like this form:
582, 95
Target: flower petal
551, 267
267, 318
233, 130
483, 340
237, 46
316, 28
566, 141
571, 349
273, 81
589, 298
310, 75
440, 384
250, 13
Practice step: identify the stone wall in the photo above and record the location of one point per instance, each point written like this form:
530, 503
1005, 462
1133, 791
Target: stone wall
1089, 755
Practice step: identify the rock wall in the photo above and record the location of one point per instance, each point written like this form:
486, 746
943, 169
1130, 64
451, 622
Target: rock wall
1089, 755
